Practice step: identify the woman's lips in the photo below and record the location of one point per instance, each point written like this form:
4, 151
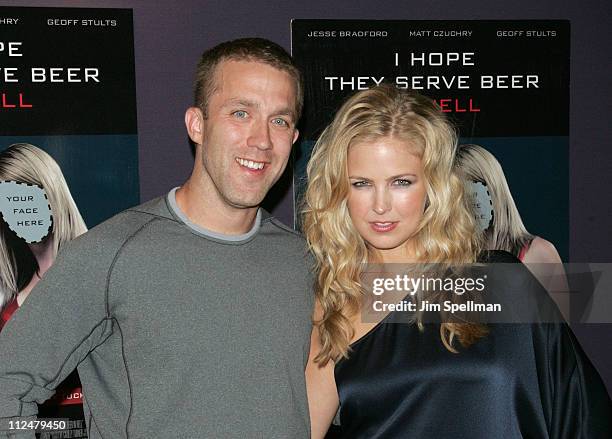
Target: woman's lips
383, 226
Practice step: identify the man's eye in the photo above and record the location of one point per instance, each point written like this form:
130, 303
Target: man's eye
280, 122
240, 114
402, 182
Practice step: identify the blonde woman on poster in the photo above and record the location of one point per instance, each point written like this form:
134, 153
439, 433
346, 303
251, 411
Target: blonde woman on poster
23, 264
24, 260
506, 230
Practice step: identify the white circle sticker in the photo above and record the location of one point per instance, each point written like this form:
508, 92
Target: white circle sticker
25, 209
482, 204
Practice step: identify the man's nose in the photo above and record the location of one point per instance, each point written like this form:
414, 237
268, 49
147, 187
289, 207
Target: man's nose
259, 136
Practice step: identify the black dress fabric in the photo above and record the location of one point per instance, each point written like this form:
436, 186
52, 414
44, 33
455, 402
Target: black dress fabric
519, 381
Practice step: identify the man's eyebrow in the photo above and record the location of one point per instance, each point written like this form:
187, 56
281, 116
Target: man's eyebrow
285, 111
240, 101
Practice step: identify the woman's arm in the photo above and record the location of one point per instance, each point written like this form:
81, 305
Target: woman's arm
321, 386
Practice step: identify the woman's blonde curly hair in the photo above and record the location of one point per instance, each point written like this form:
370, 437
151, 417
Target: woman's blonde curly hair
446, 233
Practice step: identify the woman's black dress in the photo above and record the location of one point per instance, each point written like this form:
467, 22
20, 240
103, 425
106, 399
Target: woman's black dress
519, 381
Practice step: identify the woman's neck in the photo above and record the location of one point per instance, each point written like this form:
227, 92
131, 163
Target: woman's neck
43, 252
399, 255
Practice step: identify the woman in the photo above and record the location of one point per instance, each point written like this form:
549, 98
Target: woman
23, 264
382, 188
506, 230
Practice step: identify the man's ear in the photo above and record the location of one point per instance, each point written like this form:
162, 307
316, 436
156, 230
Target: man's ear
194, 123
295, 136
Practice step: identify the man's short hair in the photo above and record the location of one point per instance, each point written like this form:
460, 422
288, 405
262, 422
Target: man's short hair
244, 49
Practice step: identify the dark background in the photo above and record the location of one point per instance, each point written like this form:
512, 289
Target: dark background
66, 108
544, 108
170, 36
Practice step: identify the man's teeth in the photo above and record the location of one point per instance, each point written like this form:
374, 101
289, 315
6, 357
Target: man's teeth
250, 164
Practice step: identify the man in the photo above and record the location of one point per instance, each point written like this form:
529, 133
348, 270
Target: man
188, 316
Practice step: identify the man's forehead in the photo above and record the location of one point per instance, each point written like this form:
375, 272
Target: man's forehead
230, 70
237, 68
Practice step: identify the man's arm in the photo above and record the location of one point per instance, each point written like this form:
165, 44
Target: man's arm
62, 320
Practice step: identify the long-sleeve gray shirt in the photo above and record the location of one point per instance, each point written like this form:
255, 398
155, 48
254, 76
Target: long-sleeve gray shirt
176, 332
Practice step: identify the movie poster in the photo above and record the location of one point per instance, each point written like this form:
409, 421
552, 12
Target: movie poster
505, 85
68, 107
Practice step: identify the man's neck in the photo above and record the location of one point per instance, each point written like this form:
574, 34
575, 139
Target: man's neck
206, 210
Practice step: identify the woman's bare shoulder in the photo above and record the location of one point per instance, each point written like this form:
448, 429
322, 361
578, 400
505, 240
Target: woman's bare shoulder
542, 251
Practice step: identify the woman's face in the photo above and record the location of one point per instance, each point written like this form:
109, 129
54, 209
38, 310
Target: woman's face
387, 195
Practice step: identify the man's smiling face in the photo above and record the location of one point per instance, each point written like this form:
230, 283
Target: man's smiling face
248, 131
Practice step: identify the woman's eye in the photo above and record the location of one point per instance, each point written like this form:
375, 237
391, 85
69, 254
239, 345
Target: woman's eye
360, 183
240, 114
280, 122
402, 182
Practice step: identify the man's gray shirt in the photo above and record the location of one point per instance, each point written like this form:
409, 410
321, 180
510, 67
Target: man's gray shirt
176, 332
